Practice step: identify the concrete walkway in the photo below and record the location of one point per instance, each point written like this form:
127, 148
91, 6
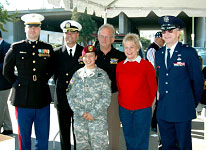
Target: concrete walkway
197, 133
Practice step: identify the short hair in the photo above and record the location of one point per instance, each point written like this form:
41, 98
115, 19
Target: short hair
0, 34
132, 37
109, 26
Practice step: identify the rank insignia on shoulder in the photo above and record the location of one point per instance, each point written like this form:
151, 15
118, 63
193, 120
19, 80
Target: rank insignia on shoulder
113, 60
158, 67
43, 52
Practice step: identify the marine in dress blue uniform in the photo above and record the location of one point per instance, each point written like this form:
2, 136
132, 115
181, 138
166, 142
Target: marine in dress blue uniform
34, 61
180, 86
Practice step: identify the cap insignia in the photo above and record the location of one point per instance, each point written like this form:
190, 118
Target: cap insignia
166, 19
67, 25
90, 48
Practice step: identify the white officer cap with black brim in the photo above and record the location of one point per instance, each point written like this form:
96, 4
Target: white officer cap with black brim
70, 26
32, 19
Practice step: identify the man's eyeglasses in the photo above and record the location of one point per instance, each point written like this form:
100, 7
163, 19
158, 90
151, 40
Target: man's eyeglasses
169, 30
103, 37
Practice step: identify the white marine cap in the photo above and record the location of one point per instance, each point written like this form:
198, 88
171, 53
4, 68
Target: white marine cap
71, 26
32, 19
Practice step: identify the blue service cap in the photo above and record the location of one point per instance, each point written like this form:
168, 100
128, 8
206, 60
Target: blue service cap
158, 34
170, 22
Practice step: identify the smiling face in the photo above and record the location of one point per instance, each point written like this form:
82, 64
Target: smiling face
171, 36
106, 38
71, 38
131, 50
89, 60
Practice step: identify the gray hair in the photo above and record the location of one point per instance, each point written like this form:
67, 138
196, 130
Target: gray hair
132, 37
109, 26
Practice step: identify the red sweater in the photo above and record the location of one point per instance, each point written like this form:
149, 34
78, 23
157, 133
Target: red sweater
136, 84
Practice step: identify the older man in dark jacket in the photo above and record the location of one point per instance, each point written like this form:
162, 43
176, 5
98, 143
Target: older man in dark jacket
5, 86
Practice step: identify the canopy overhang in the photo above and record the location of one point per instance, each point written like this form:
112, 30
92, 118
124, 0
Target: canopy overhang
135, 8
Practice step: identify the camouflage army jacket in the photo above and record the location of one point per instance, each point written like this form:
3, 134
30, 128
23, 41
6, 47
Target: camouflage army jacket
90, 93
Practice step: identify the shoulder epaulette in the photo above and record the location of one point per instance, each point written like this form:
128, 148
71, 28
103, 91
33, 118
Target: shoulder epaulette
185, 45
18, 42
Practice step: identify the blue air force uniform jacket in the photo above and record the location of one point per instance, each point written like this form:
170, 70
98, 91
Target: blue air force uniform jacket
180, 86
34, 62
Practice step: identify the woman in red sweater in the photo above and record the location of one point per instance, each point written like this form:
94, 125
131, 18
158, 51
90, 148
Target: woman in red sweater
136, 82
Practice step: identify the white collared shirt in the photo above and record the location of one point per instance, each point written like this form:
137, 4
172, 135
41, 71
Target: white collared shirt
138, 59
171, 52
151, 54
73, 49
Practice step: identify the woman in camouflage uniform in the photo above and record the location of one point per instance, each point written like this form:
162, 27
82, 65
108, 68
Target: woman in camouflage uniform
89, 97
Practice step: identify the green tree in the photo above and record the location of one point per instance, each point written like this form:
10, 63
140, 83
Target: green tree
145, 43
5, 16
89, 26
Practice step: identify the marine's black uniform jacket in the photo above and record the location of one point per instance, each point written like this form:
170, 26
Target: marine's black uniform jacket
35, 65
66, 67
108, 63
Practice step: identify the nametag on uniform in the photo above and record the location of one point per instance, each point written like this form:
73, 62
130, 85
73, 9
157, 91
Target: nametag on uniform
23, 52
43, 52
179, 64
113, 60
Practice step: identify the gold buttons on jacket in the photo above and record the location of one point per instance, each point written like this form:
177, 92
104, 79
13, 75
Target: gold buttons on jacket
34, 69
67, 81
22, 58
33, 46
34, 61
34, 78
33, 53
66, 74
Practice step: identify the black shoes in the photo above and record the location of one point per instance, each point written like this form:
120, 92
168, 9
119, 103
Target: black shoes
7, 132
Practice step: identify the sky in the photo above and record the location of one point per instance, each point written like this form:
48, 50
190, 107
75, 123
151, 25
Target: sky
25, 4
41, 4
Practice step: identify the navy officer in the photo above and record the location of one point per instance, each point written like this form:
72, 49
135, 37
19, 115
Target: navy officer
180, 86
69, 59
34, 61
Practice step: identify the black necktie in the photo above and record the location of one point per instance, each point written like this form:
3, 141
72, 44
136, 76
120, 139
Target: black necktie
71, 53
168, 58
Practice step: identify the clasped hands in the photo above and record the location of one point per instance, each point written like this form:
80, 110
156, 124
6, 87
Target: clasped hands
88, 116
